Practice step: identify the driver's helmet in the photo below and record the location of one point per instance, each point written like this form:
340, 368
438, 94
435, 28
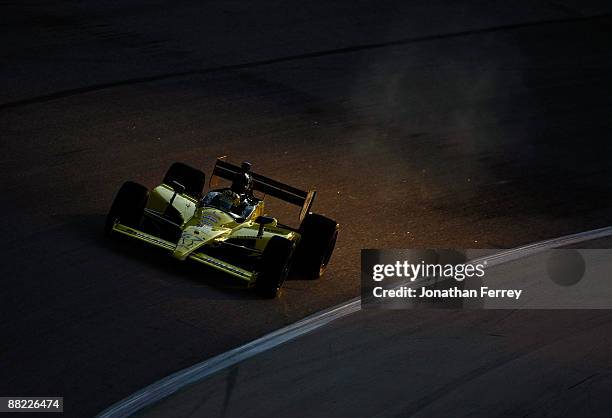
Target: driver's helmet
243, 182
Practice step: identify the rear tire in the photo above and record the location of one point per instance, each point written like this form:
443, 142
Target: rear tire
127, 207
192, 178
317, 243
274, 267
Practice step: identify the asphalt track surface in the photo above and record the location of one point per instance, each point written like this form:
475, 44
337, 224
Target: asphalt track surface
423, 124
378, 364
197, 389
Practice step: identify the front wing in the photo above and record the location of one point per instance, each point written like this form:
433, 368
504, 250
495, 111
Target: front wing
246, 275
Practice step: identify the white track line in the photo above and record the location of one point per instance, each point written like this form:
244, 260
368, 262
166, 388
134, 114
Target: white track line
173, 383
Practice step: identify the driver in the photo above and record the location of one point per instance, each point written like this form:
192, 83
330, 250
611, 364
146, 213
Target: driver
243, 182
235, 198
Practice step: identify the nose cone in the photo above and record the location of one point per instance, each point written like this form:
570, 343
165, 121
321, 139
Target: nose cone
194, 237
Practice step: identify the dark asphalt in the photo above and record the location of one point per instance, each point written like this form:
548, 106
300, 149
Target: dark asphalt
380, 364
479, 127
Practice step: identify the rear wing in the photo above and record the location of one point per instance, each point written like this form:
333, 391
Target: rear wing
268, 186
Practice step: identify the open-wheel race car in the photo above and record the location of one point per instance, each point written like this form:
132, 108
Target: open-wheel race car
227, 228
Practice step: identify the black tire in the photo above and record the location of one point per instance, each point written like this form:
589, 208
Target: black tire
128, 206
192, 178
317, 243
274, 266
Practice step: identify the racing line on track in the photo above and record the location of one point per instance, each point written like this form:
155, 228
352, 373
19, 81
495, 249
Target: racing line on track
173, 383
289, 58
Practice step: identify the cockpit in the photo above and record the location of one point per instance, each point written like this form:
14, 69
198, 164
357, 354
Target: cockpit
229, 203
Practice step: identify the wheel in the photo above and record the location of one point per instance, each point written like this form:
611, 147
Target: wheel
317, 242
274, 267
192, 178
128, 206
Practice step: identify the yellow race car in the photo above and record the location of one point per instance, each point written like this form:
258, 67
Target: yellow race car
227, 228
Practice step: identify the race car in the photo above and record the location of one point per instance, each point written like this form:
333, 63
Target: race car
227, 228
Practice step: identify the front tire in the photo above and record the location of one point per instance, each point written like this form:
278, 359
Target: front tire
317, 243
127, 207
274, 267
192, 178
